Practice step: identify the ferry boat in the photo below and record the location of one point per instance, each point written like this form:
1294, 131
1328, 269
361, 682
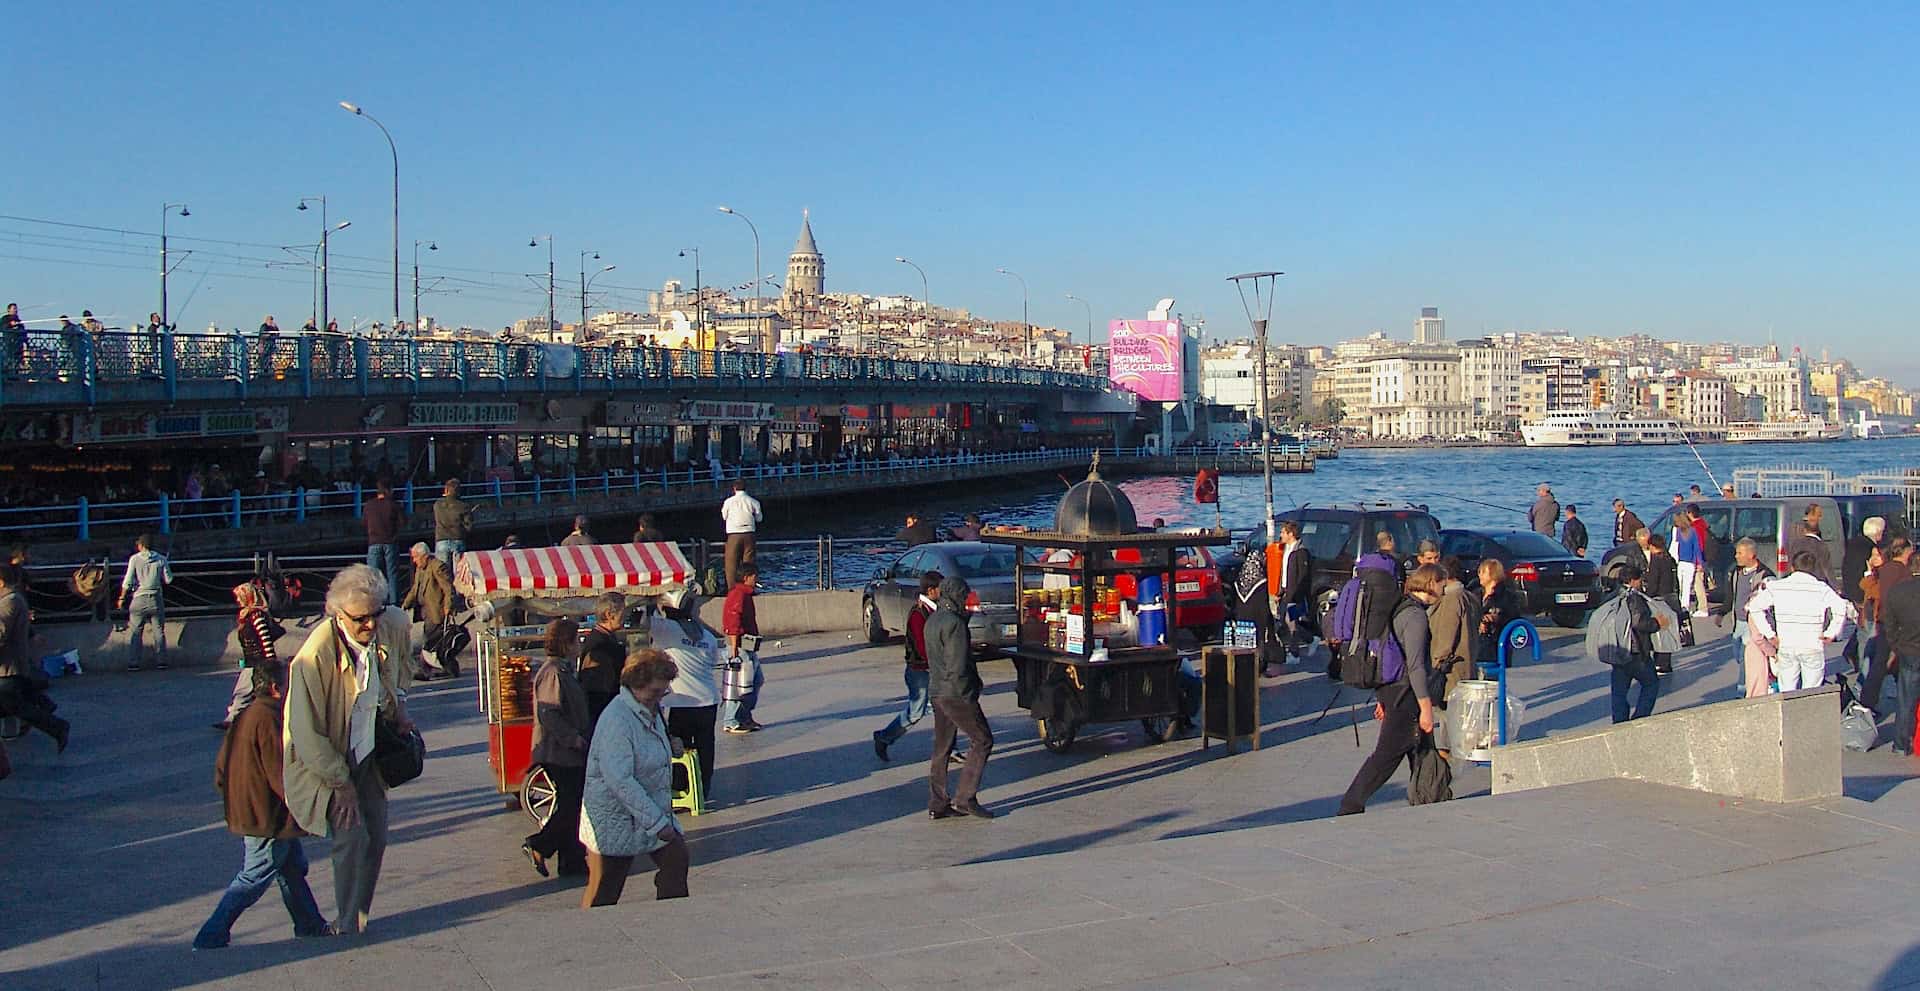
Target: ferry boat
1599, 428
1796, 431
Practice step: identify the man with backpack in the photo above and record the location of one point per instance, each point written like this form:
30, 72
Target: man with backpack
1386, 652
1620, 633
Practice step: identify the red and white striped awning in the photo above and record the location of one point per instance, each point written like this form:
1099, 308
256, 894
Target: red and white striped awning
636, 569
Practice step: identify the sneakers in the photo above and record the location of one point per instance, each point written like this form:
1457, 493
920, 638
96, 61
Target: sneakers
738, 730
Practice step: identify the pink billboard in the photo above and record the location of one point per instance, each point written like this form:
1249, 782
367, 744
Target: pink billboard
1145, 358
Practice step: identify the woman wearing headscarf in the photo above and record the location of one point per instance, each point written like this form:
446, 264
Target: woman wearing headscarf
562, 726
1250, 603
257, 631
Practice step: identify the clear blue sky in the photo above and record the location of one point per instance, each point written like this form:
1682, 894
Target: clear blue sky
1701, 174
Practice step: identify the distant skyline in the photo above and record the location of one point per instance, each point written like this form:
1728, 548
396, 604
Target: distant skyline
1700, 173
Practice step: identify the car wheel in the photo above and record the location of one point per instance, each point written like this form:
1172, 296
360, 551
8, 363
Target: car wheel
876, 630
1572, 619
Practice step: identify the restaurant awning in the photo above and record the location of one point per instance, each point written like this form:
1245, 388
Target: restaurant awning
634, 569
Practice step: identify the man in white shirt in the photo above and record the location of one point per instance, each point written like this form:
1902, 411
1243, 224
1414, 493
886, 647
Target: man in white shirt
742, 515
1807, 615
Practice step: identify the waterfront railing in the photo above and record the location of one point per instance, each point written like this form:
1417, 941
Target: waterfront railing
41, 367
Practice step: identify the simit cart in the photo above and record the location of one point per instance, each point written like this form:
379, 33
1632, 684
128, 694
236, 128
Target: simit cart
1097, 605
516, 592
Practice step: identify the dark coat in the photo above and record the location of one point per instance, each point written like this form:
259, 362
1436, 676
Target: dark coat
1573, 536
1625, 526
1493, 612
249, 773
1663, 579
1642, 624
951, 671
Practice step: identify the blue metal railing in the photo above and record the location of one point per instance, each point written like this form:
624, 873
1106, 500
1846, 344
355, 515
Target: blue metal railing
51, 367
83, 520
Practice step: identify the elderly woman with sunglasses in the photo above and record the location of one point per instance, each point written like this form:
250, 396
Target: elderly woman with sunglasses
352, 671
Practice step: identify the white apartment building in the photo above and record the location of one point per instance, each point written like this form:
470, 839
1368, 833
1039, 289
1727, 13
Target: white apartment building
1430, 328
1782, 384
1228, 375
1706, 400
1417, 394
1490, 380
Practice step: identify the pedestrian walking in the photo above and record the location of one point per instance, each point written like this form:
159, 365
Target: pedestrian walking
1900, 619
1800, 614
1573, 532
382, 517
627, 807
604, 653
1545, 514
258, 632
1404, 706
1642, 666
452, 523
1690, 559
1753, 674
579, 537
918, 701
1450, 629
1661, 580
1290, 581
23, 684
430, 599
350, 673
953, 681
693, 702
143, 595
743, 677
248, 773
741, 512
1252, 603
562, 727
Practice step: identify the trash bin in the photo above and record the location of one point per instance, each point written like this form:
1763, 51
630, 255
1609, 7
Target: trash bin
1473, 725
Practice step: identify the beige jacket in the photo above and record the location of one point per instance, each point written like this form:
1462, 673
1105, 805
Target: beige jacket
319, 712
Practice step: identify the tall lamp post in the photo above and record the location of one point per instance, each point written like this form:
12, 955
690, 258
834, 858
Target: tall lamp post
416, 281
926, 305
357, 112
1024, 322
1261, 303
165, 209
534, 242
756, 258
326, 231
699, 313
1089, 308
584, 283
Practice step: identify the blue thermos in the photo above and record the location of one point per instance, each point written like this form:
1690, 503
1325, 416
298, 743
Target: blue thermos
1153, 612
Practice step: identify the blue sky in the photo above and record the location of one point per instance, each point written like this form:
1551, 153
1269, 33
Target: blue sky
1706, 173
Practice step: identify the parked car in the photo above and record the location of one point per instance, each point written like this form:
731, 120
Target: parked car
1770, 523
993, 619
1554, 581
1336, 535
1200, 598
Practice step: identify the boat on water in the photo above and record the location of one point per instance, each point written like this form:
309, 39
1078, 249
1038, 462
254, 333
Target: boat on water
1599, 428
1796, 431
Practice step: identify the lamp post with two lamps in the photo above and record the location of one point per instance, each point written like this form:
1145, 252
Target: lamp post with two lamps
326, 231
756, 262
584, 283
395, 151
416, 280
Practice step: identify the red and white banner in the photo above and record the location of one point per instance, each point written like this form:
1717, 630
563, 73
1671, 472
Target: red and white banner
636, 569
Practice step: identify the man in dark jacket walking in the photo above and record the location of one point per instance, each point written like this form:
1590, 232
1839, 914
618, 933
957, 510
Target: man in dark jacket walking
248, 774
1404, 707
1573, 533
1641, 626
917, 676
954, 683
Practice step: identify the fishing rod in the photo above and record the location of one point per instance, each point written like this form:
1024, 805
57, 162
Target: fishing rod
1489, 505
1703, 461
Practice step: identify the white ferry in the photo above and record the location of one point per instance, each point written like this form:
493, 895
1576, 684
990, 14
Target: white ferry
1599, 428
1799, 430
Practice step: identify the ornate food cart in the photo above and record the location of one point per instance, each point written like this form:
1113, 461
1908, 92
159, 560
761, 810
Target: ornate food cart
511, 589
1097, 607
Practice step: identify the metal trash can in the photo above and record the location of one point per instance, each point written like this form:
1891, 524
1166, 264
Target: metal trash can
1473, 724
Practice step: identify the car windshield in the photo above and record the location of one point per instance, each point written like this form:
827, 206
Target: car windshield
1408, 530
1531, 545
986, 562
1325, 539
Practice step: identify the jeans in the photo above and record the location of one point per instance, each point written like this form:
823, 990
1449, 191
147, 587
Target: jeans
1798, 668
735, 713
1624, 675
268, 861
1909, 683
380, 558
445, 550
242, 695
916, 709
142, 613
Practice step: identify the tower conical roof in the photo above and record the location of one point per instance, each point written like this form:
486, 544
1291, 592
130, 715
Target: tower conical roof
805, 245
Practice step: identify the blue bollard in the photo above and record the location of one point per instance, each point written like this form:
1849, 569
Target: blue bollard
300, 504
1519, 635
166, 522
84, 527
236, 511
497, 499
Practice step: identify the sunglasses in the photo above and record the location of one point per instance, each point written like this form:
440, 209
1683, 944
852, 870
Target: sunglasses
366, 620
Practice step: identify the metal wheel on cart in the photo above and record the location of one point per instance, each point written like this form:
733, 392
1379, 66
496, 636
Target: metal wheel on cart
537, 796
1056, 736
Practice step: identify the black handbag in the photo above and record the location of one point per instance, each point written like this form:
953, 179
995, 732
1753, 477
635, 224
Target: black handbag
400, 755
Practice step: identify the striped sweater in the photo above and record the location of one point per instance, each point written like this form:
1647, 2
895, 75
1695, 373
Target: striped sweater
258, 631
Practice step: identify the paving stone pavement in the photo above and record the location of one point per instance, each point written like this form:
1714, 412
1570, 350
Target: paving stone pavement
1117, 865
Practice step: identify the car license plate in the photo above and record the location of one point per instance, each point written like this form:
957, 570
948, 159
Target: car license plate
1565, 598
1186, 588
1008, 631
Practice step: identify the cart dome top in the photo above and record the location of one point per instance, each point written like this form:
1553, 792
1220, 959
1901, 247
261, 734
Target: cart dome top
1095, 508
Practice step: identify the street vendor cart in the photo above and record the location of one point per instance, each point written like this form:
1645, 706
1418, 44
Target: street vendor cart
530, 586
1097, 608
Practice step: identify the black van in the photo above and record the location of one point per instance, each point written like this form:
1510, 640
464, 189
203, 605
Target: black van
1337, 534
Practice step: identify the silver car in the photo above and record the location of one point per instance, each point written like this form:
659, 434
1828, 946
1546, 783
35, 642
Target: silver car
993, 619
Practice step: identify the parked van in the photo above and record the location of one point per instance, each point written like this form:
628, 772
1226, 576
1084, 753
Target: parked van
1770, 522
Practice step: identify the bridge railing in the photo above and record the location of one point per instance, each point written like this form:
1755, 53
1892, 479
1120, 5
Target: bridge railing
1807, 480
55, 367
82, 520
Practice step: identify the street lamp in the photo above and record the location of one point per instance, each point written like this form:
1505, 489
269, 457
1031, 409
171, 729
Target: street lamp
1089, 308
1262, 282
534, 242
926, 306
1023, 311
416, 280
756, 256
584, 284
699, 314
357, 112
166, 208
325, 232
